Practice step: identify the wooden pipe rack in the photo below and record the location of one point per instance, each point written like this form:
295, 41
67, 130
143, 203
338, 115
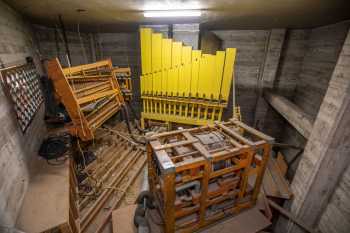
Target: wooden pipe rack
90, 94
203, 174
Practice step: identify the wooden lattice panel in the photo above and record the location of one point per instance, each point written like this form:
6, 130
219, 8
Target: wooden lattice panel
22, 85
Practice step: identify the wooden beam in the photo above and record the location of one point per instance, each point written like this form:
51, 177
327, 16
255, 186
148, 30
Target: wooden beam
291, 112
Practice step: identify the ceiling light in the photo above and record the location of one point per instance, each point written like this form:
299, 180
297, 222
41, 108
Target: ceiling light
172, 13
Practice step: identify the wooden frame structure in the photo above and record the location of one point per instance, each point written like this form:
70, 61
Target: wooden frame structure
90, 94
201, 175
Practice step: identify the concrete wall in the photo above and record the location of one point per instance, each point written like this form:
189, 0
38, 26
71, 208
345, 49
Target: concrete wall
294, 48
336, 216
322, 49
292, 57
187, 33
16, 150
322, 53
124, 49
251, 51
80, 47
305, 70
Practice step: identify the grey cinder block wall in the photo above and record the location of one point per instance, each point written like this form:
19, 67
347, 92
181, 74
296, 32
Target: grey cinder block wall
17, 150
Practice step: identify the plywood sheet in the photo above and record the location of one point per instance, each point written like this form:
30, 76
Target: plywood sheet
46, 203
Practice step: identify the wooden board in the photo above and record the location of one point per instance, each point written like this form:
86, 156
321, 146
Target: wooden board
46, 203
281, 162
274, 182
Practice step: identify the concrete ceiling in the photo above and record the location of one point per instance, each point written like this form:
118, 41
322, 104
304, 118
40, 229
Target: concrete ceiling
118, 15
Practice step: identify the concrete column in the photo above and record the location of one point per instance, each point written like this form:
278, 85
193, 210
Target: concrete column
327, 151
187, 33
268, 73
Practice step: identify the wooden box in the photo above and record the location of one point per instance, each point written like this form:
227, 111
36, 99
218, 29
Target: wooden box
203, 174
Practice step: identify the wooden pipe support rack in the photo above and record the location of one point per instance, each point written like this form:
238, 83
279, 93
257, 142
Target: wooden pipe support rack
203, 174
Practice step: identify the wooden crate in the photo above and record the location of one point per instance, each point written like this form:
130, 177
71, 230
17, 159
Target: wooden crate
201, 175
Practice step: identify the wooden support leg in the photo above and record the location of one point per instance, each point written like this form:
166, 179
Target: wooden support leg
169, 199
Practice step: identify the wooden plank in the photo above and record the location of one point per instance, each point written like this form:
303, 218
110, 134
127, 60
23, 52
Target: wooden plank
281, 162
166, 164
253, 131
103, 198
122, 194
274, 182
74, 69
96, 96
